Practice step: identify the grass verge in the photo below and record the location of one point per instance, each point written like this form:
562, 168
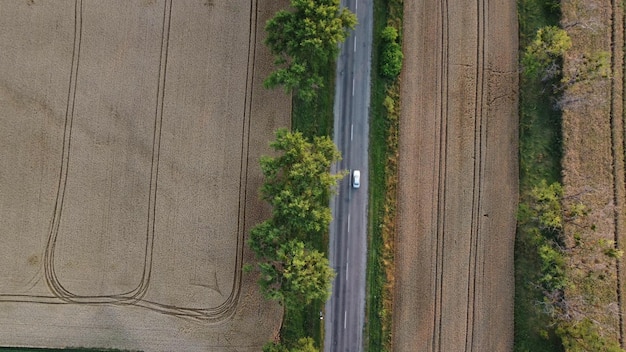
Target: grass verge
314, 118
384, 107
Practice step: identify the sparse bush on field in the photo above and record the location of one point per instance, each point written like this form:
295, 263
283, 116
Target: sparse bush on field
587, 67
583, 336
567, 292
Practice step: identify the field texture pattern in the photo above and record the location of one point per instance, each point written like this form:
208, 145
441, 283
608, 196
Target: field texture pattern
457, 192
129, 138
593, 163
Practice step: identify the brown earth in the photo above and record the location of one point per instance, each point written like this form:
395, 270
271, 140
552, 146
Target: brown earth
458, 178
593, 163
130, 133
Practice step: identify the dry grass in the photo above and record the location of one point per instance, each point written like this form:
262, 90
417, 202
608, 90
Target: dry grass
593, 162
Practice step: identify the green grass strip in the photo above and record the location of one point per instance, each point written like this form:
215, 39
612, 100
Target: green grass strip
540, 159
378, 318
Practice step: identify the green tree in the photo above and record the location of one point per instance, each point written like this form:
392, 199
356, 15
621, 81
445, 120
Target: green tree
547, 206
274, 347
305, 39
305, 344
306, 275
298, 184
544, 55
296, 275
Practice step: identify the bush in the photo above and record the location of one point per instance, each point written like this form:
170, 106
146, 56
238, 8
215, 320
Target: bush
584, 336
391, 62
391, 58
389, 34
544, 55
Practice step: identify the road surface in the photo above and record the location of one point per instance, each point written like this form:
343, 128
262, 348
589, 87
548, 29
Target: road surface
345, 310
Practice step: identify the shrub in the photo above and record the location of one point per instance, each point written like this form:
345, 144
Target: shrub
584, 336
391, 58
544, 55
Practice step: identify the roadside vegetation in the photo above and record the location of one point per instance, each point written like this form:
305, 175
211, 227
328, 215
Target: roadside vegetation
540, 177
292, 248
304, 41
385, 112
551, 294
297, 185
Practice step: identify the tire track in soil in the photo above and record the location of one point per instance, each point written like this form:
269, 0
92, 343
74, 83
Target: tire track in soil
134, 297
618, 146
51, 280
446, 273
439, 182
479, 140
49, 268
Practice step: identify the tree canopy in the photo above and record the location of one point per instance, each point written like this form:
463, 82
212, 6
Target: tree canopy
304, 39
298, 184
545, 53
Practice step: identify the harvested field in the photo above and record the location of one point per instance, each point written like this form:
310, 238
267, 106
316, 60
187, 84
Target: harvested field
457, 191
130, 133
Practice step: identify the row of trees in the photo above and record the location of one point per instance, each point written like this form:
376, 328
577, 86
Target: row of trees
297, 182
298, 185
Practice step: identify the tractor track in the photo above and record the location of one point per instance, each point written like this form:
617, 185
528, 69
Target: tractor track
134, 297
457, 188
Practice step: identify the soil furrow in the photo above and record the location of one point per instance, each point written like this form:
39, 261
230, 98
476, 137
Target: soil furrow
479, 134
457, 180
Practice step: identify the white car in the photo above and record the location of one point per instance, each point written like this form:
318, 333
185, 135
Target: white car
356, 179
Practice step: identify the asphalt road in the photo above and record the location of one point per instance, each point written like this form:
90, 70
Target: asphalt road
345, 311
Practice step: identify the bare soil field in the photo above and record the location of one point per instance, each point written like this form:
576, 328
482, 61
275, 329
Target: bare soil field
593, 163
130, 133
458, 178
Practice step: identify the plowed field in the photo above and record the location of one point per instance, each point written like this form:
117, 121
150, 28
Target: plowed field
129, 138
457, 192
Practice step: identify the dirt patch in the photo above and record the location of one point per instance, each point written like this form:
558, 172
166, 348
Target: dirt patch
457, 192
131, 132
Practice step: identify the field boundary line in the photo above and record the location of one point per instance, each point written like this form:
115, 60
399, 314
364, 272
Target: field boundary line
618, 147
440, 182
